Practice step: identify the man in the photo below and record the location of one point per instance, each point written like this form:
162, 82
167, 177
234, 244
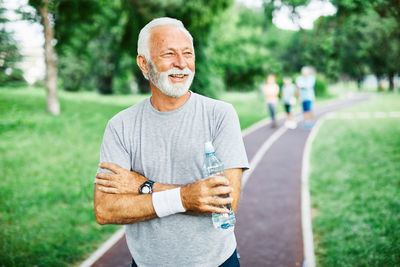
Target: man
306, 83
152, 155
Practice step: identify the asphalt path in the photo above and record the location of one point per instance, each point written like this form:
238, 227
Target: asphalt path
268, 228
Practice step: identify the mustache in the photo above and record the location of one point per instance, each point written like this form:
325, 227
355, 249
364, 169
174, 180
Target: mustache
185, 71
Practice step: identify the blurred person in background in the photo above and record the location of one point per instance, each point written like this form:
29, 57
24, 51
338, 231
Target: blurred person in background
306, 82
271, 92
289, 100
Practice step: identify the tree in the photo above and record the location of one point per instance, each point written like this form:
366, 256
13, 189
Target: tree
245, 47
98, 52
59, 18
351, 53
9, 55
382, 46
46, 18
381, 33
362, 37
91, 56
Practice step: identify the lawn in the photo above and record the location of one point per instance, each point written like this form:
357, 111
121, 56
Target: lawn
250, 106
47, 167
355, 187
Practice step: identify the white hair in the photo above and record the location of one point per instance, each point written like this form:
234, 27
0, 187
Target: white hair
144, 35
309, 70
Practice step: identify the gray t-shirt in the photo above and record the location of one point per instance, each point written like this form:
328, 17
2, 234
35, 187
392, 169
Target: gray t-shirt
168, 147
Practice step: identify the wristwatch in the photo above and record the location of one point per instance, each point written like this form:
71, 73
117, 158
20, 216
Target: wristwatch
146, 187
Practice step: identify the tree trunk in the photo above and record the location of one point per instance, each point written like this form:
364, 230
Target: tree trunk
105, 84
391, 82
359, 81
53, 106
380, 83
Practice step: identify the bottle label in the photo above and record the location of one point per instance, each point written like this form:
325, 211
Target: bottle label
215, 171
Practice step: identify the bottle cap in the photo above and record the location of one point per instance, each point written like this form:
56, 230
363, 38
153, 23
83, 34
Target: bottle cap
208, 147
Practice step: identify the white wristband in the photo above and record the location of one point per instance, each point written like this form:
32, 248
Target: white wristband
167, 202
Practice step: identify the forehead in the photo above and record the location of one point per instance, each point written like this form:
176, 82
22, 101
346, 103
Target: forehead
169, 36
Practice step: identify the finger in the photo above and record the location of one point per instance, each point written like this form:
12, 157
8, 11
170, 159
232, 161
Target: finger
109, 190
105, 175
217, 209
220, 190
105, 183
219, 201
111, 166
217, 180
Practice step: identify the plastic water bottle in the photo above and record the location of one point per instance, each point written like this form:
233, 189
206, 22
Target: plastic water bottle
214, 167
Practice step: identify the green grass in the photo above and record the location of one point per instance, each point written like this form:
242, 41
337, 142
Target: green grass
355, 188
250, 106
47, 168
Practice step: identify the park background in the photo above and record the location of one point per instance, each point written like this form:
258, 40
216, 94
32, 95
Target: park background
51, 125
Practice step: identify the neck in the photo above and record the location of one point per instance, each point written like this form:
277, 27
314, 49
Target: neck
165, 103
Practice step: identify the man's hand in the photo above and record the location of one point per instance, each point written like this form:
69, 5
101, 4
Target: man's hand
202, 196
121, 181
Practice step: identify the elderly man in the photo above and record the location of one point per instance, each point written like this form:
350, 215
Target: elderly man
150, 176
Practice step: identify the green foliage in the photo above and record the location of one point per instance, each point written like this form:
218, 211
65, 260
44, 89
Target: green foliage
9, 55
245, 46
315, 47
208, 79
15, 78
362, 37
89, 54
236, 46
355, 186
367, 33
383, 44
72, 71
100, 52
370, 41
198, 17
320, 86
385, 8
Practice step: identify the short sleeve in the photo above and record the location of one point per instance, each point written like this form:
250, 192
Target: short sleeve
113, 149
312, 82
228, 140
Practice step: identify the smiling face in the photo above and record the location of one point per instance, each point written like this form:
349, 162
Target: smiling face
172, 65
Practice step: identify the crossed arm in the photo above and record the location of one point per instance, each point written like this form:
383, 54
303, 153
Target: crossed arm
117, 201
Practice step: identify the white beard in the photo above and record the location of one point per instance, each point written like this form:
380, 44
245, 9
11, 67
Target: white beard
160, 80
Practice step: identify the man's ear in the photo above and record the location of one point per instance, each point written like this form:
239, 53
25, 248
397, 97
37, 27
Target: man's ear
142, 63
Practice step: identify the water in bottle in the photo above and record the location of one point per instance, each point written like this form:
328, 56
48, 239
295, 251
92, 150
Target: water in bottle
214, 167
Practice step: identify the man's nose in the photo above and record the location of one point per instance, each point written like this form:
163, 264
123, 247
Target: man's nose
180, 61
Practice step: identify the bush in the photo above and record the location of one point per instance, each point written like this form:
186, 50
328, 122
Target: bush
15, 78
320, 86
